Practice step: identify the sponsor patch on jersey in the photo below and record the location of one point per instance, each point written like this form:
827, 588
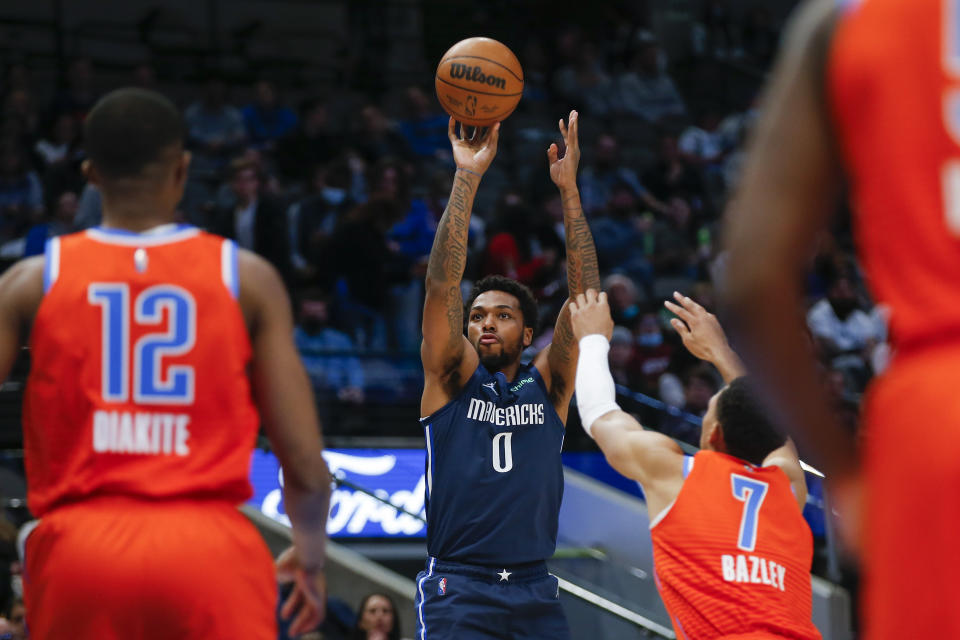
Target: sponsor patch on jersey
442, 587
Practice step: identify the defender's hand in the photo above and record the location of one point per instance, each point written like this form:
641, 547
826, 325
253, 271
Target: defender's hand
473, 154
309, 596
699, 329
590, 314
563, 171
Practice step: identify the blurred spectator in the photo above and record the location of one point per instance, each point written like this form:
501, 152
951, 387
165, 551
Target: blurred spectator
266, 119
622, 295
378, 137
21, 192
14, 621
313, 219
584, 82
621, 238
599, 178
424, 128
845, 334
57, 224
621, 355
651, 355
521, 243
409, 240
713, 35
536, 76
645, 90
702, 144
61, 145
215, 130
78, 95
673, 252
672, 175
21, 120
377, 619
313, 143
367, 266
59, 155
699, 385
326, 351
255, 223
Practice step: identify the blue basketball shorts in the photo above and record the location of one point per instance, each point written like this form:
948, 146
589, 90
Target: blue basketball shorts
472, 602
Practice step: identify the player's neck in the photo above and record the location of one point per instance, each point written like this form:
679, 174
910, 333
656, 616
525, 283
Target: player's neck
135, 218
509, 371
135, 215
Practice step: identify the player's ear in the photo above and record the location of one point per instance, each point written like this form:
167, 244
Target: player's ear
183, 165
527, 336
89, 172
715, 438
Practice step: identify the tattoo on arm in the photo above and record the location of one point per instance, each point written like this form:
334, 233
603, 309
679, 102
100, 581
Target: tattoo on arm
448, 257
582, 270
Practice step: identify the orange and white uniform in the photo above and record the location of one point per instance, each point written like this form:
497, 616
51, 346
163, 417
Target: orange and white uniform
138, 430
893, 88
732, 553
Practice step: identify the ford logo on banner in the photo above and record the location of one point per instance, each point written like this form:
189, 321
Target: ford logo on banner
394, 475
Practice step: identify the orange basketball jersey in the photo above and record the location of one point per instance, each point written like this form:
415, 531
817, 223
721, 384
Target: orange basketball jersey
138, 384
893, 85
732, 554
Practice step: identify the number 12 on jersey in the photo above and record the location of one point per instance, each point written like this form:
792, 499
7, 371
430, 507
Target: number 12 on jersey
151, 384
751, 492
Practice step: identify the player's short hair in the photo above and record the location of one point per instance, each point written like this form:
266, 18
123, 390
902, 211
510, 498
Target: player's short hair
748, 432
130, 129
528, 303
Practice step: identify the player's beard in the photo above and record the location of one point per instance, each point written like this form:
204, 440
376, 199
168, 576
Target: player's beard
495, 361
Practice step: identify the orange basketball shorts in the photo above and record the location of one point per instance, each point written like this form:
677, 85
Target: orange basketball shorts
912, 499
120, 569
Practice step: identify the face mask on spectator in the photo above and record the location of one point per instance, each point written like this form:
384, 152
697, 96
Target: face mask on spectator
16, 585
333, 195
650, 339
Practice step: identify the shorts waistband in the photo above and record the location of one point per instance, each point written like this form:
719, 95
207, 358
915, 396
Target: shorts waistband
526, 572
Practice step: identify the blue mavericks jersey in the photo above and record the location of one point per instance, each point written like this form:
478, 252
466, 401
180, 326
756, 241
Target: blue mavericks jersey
494, 475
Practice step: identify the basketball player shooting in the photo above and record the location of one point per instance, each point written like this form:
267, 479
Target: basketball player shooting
494, 427
140, 415
731, 550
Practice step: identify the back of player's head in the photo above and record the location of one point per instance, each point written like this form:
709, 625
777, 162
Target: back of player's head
528, 303
128, 130
748, 432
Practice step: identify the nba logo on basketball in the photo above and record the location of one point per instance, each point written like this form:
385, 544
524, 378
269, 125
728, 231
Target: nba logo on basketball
442, 587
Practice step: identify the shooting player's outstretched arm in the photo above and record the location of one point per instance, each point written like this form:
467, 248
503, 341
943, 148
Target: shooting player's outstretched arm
651, 458
448, 358
558, 362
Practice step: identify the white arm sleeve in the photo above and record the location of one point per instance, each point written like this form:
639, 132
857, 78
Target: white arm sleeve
596, 394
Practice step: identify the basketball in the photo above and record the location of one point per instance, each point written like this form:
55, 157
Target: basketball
479, 81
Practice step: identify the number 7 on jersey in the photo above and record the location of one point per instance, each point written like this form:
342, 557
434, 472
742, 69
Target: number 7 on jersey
751, 492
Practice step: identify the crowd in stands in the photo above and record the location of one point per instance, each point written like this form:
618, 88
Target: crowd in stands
342, 190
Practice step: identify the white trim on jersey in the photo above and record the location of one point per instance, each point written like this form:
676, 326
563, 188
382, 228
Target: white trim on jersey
51, 263
660, 516
164, 234
429, 461
228, 267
